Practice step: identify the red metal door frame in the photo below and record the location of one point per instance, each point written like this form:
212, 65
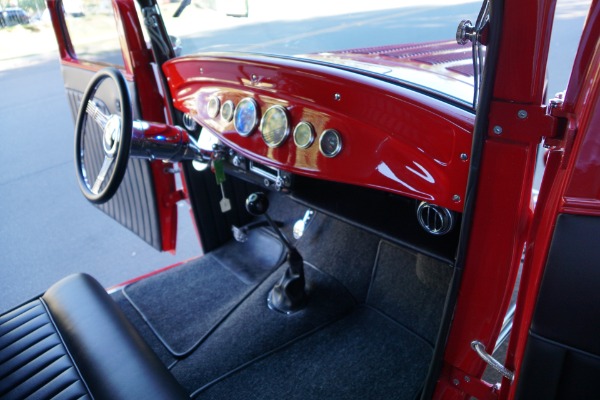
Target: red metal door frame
516, 123
571, 182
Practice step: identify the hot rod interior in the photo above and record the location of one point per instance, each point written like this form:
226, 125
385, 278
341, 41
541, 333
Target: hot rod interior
364, 212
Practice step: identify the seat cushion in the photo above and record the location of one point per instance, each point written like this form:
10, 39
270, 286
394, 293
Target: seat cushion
75, 342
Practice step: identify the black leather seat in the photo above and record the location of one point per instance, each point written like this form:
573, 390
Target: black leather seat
74, 342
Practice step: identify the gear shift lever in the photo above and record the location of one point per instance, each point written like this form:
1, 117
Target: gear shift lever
288, 295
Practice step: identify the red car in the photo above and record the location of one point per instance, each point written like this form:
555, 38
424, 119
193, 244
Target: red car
365, 208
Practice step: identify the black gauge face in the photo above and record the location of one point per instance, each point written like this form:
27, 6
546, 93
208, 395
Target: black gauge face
227, 110
275, 126
304, 135
330, 143
245, 117
213, 106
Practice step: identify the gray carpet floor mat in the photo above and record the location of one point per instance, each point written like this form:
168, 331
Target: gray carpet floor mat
195, 298
367, 331
363, 356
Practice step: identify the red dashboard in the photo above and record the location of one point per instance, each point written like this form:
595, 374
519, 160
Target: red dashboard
354, 128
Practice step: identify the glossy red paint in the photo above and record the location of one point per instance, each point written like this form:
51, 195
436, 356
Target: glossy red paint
521, 70
393, 138
570, 183
503, 208
138, 68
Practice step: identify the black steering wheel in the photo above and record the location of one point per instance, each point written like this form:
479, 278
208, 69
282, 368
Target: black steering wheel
102, 147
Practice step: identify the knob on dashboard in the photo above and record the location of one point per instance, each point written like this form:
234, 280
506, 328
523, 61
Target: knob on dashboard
257, 204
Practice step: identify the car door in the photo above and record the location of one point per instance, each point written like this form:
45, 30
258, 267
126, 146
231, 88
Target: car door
92, 36
554, 349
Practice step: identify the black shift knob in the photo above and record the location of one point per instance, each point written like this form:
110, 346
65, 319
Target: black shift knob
257, 204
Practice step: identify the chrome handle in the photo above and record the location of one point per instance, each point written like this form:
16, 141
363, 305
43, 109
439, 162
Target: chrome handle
491, 361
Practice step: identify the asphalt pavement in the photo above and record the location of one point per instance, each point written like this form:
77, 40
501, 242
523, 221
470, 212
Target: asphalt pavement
48, 230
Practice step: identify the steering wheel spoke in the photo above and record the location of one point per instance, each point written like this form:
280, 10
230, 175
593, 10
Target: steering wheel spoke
108, 161
97, 115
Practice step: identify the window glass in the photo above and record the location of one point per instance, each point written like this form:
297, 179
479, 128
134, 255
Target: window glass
93, 30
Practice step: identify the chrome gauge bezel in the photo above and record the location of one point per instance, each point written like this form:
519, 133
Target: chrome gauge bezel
338, 146
227, 110
246, 108
311, 138
213, 106
280, 134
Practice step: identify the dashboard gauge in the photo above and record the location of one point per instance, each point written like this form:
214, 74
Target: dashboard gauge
245, 116
304, 135
275, 126
330, 143
227, 110
213, 106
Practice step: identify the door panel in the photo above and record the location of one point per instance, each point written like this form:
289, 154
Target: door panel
562, 357
554, 348
135, 204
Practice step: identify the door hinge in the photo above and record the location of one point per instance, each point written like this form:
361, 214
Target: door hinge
556, 110
525, 123
470, 385
174, 197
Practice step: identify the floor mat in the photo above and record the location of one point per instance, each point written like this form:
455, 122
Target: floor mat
182, 306
364, 356
253, 330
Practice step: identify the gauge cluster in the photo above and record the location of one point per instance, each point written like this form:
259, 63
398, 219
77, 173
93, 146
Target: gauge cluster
286, 117
273, 121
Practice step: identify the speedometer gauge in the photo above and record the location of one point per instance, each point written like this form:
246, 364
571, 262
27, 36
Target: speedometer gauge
330, 143
275, 126
245, 117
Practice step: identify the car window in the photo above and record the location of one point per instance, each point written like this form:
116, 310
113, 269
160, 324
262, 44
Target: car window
93, 31
369, 36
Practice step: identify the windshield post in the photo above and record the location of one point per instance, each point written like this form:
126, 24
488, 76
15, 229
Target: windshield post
159, 38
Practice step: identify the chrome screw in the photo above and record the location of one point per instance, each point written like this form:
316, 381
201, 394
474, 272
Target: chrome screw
467, 379
456, 198
498, 130
455, 382
522, 114
337, 97
464, 157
